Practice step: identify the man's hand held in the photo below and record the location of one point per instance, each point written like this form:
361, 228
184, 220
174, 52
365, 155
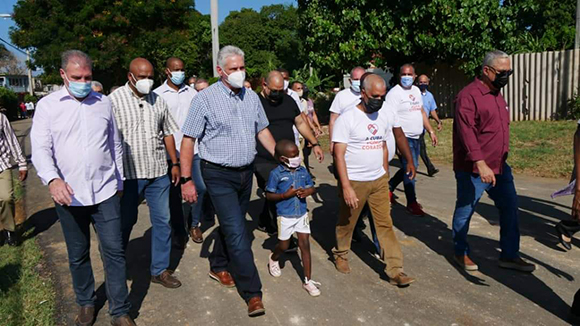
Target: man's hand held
188, 192
486, 174
60, 191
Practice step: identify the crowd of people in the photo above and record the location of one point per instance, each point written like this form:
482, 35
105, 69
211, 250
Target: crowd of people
192, 149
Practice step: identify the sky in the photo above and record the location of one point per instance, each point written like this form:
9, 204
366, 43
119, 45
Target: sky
203, 6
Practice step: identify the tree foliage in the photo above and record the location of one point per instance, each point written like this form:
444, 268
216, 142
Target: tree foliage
341, 34
112, 32
9, 64
269, 37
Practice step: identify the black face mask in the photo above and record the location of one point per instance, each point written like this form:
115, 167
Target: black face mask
373, 105
276, 96
501, 79
423, 87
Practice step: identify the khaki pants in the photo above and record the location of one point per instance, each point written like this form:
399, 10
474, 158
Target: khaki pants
6, 201
376, 193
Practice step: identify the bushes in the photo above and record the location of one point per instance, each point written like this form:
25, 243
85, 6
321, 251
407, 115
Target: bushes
9, 101
573, 109
30, 98
322, 102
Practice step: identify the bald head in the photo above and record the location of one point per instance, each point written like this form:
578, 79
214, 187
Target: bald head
423, 79
141, 66
173, 61
356, 73
275, 80
374, 84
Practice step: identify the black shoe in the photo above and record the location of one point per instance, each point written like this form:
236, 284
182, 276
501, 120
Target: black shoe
11, 238
180, 242
433, 172
293, 247
567, 228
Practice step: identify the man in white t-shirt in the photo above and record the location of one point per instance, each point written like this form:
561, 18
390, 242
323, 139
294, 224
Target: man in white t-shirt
407, 101
361, 157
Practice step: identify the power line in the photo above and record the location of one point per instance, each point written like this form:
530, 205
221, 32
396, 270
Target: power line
13, 46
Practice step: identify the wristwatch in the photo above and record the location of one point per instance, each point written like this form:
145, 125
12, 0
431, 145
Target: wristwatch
185, 180
175, 164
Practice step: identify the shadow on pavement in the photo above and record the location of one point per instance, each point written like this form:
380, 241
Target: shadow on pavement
437, 236
38, 223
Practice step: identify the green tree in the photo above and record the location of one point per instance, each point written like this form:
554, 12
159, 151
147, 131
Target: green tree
112, 32
269, 38
9, 101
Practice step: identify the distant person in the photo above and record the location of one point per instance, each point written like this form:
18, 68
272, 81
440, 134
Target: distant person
480, 149
407, 100
23, 110
10, 148
430, 108
97, 87
312, 118
191, 81
288, 186
185, 219
361, 157
247, 85
227, 148
201, 84
30, 108
81, 162
146, 126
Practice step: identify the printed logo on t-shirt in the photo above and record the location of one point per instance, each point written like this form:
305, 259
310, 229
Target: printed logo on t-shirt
373, 128
412, 97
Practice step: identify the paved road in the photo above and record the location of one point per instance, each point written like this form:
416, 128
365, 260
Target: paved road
442, 295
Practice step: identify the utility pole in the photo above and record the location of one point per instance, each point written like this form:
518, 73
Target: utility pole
577, 40
30, 81
215, 43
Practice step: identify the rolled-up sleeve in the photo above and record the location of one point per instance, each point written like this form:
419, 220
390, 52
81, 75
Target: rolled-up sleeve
41, 143
467, 131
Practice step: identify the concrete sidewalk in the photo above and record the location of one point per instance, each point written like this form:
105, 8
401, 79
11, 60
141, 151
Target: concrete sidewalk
442, 295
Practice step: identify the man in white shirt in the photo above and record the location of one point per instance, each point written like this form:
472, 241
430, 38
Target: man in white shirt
178, 96
406, 100
361, 156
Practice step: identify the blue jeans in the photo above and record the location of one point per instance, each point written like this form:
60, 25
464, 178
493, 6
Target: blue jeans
230, 193
106, 219
156, 192
470, 188
401, 175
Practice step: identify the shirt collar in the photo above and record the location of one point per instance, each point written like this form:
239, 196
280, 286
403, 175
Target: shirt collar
241, 94
481, 87
64, 94
166, 88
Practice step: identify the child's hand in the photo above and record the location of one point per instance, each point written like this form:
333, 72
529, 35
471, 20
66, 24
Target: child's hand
290, 192
303, 193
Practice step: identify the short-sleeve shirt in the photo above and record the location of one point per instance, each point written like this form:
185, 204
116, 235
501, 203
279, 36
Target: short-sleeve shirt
364, 135
429, 103
226, 124
280, 180
143, 122
343, 100
281, 120
408, 104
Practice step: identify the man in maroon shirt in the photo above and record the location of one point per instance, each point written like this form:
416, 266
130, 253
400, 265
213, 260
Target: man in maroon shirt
480, 150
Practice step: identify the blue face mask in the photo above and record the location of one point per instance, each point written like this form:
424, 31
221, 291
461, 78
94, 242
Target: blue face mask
177, 77
78, 89
407, 81
355, 85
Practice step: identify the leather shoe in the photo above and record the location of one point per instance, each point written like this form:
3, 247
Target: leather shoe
256, 307
465, 263
166, 279
11, 238
86, 316
341, 264
196, 234
401, 280
124, 320
223, 277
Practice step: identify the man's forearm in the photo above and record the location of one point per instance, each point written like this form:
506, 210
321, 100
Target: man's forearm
402, 144
267, 140
426, 123
170, 147
305, 129
435, 116
186, 151
341, 168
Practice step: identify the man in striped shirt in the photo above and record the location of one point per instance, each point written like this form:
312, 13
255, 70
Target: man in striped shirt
147, 127
9, 147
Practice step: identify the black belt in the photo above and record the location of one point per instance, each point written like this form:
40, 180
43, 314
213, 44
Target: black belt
227, 168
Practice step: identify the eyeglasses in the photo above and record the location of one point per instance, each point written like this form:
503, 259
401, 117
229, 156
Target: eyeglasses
502, 72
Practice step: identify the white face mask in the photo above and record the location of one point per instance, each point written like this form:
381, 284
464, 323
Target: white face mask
300, 93
286, 83
143, 86
236, 79
293, 162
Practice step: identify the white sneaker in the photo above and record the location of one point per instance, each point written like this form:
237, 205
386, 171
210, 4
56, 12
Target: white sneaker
274, 267
311, 287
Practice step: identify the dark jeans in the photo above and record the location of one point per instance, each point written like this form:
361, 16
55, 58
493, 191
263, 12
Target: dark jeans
230, 193
306, 153
470, 188
423, 152
268, 216
156, 193
401, 175
106, 219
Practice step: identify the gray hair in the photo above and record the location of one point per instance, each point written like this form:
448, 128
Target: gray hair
492, 56
79, 57
227, 52
95, 83
357, 68
407, 65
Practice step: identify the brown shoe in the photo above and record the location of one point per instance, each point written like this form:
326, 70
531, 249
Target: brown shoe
256, 307
166, 279
196, 234
86, 316
401, 280
223, 277
466, 263
124, 320
341, 264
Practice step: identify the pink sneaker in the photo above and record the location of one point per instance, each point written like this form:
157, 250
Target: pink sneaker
311, 287
274, 267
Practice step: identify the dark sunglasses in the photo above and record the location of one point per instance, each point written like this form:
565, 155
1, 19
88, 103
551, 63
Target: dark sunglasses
502, 72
